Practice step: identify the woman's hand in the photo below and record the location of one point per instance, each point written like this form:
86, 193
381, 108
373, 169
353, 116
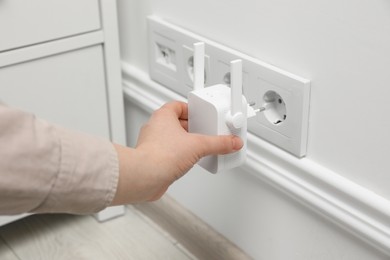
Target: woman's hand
165, 151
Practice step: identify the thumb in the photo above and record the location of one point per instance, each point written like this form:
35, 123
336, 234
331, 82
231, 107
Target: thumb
222, 144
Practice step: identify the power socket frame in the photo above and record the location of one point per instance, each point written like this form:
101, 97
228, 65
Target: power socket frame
258, 78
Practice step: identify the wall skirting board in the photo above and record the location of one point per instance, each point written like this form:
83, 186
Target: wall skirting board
188, 231
348, 205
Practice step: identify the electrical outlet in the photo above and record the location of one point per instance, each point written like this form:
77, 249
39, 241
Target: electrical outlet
222, 75
165, 56
188, 64
284, 96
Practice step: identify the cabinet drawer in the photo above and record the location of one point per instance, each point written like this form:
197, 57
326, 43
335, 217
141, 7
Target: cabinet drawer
68, 89
24, 22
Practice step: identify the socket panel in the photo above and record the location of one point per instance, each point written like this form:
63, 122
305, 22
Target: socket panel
285, 96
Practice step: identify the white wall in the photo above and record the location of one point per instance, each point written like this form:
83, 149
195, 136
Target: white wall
343, 47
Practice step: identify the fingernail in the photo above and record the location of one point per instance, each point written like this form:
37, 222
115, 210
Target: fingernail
237, 143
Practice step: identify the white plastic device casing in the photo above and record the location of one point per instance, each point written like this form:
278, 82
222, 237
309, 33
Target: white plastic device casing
218, 110
209, 109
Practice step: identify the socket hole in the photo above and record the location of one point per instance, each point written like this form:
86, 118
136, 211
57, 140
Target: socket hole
166, 56
226, 78
276, 111
190, 69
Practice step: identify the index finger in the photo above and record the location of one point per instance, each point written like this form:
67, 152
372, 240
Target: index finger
179, 108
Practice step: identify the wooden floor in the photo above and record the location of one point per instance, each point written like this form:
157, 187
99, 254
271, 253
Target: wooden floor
62, 236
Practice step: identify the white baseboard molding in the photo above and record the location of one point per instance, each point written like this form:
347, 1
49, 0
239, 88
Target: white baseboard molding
350, 206
189, 231
110, 213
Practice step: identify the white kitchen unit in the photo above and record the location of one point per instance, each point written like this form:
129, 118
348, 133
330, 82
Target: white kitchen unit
60, 60
335, 202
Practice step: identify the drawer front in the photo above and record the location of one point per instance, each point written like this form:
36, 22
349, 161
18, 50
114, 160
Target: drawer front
24, 22
68, 89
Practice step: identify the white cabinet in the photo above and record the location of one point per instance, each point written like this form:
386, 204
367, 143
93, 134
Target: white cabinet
68, 89
24, 22
60, 60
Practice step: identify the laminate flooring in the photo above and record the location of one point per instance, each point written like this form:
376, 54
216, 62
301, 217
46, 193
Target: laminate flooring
62, 236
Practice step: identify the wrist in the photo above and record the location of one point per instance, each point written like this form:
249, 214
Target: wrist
126, 160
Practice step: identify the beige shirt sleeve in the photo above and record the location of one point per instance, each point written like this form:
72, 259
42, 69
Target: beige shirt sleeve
47, 168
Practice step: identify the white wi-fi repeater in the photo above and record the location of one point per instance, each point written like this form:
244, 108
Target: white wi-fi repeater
219, 110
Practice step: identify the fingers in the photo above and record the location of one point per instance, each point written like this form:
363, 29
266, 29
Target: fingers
206, 145
173, 112
212, 145
184, 124
180, 109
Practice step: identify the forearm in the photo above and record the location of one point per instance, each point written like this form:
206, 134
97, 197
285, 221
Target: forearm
127, 163
139, 179
47, 168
